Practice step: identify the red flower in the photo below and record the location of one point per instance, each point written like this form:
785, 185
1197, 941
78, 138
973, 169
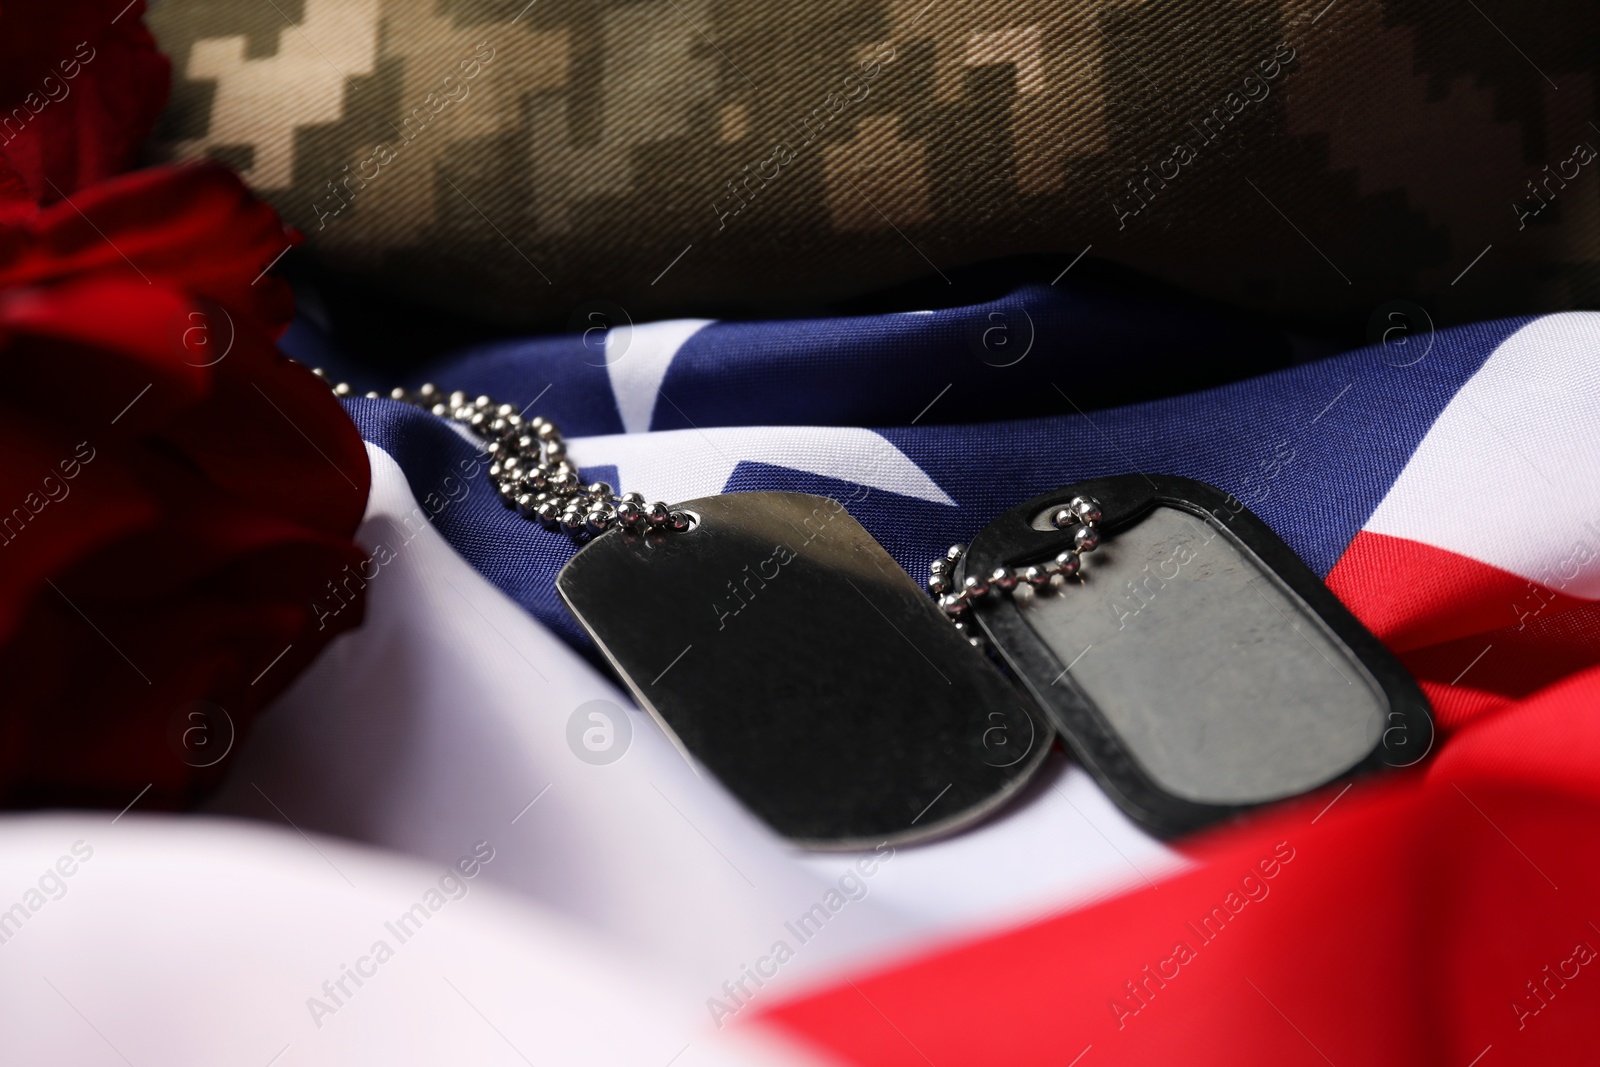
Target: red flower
81, 84
174, 495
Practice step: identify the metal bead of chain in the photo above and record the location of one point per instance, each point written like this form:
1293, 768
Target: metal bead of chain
528, 465
1081, 515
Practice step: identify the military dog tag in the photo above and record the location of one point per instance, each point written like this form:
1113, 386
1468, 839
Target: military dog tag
785, 650
1194, 664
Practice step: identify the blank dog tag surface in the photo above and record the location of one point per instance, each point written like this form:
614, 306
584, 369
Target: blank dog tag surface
1197, 667
786, 651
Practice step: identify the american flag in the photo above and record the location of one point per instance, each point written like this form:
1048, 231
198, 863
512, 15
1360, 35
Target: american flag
1448, 490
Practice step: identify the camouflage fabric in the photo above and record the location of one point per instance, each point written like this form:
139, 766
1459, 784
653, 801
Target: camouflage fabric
514, 159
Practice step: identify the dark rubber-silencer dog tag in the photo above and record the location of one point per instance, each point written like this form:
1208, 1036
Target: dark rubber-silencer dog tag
785, 650
1195, 665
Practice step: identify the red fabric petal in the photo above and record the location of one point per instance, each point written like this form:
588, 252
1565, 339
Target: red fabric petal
135, 662
121, 335
56, 509
274, 434
193, 227
81, 83
189, 559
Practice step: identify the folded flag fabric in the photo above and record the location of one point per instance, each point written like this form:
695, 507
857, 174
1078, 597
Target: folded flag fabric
1449, 492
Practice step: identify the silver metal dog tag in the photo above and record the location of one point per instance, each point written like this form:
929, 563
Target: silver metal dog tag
784, 649
1195, 665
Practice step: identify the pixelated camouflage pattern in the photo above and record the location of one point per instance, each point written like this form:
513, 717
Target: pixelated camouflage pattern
512, 159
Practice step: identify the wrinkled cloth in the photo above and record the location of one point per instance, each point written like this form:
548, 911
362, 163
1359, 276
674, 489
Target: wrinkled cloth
1447, 492
177, 498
